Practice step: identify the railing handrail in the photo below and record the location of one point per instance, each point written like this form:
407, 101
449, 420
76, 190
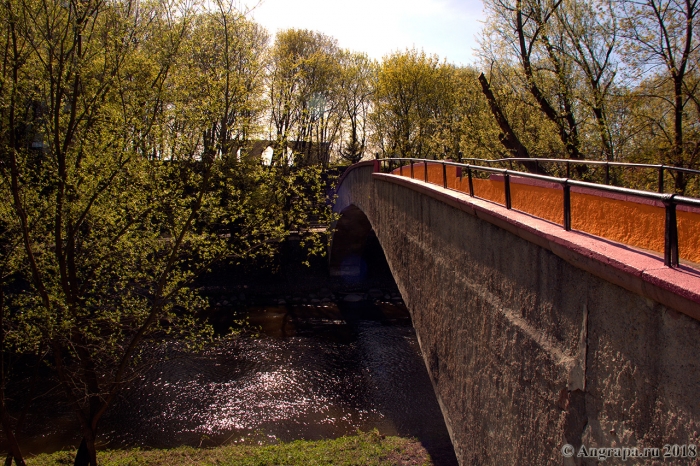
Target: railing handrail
587, 162
660, 168
670, 201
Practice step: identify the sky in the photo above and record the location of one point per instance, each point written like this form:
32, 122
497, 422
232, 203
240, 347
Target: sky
447, 28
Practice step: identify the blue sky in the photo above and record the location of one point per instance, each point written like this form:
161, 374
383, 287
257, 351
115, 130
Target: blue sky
447, 28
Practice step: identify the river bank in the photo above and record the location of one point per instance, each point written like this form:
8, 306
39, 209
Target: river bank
363, 449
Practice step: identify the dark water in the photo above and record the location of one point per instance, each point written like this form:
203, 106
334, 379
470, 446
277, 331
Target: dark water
311, 372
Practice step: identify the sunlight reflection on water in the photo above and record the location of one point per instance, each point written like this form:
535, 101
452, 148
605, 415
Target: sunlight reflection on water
330, 378
312, 373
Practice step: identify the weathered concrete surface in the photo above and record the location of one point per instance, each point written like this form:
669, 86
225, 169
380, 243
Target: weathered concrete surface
528, 352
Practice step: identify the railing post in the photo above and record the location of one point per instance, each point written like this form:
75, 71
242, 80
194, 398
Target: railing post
376, 166
412, 176
425, 170
671, 234
444, 175
607, 173
391, 165
661, 179
506, 185
568, 169
471, 183
567, 205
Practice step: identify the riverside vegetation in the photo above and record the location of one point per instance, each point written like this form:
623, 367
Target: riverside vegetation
131, 133
363, 449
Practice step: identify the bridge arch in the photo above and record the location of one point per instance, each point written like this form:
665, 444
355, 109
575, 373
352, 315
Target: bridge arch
347, 256
535, 337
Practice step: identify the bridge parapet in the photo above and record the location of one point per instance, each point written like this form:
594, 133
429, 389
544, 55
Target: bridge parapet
643, 219
535, 336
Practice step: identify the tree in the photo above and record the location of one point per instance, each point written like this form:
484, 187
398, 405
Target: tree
527, 29
590, 37
303, 81
94, 215
116, 205
407, 102
356, 94
507, 136
663, 48
472, 126
221, 79
10, 269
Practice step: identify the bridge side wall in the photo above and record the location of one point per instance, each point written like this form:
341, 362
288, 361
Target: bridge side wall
526, 351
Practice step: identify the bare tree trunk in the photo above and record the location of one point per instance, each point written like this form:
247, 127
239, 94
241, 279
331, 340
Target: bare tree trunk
680, 180
508, 137
15, 451
83, 456
568, 136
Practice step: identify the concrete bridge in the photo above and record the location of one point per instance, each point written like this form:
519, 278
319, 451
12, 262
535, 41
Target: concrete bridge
534, 336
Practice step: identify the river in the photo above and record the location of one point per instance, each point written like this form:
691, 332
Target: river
301, 371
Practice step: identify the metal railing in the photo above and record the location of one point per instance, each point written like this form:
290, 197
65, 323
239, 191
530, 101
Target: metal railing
659, 168
670, 201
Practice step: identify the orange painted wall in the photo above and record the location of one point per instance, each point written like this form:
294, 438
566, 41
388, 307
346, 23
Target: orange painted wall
633, 223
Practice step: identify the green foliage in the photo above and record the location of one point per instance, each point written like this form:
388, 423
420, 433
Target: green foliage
364, 449
356, 90
408, 96
430, 109
121, 181
303, 83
